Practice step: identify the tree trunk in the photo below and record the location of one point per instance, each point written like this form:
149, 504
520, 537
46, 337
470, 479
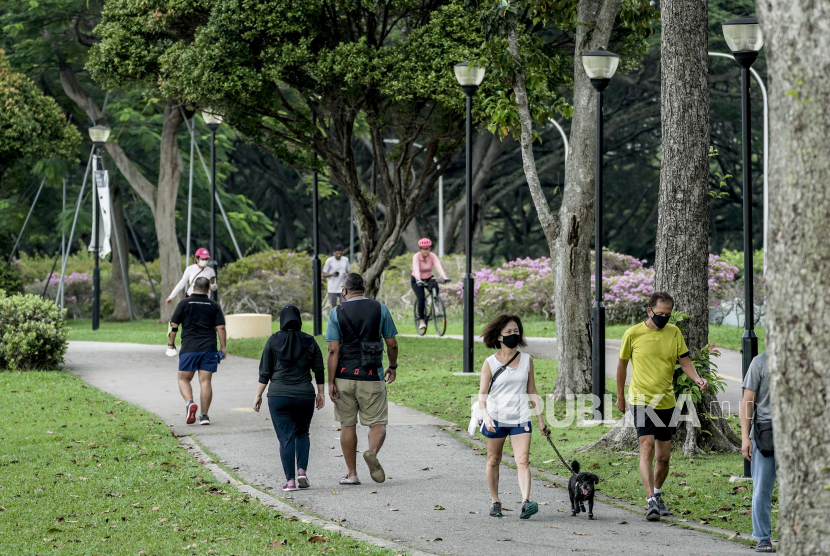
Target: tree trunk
570, 255
119, 295
682, 262
170, 174
798, 267
161, 199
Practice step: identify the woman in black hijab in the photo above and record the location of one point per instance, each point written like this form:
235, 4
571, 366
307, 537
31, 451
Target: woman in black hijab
289, 357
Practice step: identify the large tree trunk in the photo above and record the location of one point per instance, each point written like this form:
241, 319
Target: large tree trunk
798, 267
570, 255
161, 199
682, 261
117, 282
170, 174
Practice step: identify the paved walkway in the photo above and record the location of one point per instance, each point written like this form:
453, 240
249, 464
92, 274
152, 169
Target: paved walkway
729, 364
426, 468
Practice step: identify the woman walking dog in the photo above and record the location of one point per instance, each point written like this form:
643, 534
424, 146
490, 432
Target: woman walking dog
507, 384
288, 358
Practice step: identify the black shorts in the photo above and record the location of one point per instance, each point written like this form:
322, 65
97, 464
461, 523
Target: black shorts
646, 425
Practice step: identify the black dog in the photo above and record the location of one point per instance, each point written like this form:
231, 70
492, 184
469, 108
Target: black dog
580, 489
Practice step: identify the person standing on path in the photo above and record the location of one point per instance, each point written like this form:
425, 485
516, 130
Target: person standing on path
199, 269
654, 347
756, 420
422, 264
203, 320
357, 380
335, 270
507, 384
288, 358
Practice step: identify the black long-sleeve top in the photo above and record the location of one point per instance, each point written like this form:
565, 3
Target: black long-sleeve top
292, 381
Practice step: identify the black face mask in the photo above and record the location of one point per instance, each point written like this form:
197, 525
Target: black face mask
659, 322
510, 341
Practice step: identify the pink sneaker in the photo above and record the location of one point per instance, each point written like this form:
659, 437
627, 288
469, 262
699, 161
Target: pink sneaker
289, 486
302, 479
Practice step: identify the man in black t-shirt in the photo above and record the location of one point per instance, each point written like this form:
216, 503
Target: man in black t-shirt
202, 319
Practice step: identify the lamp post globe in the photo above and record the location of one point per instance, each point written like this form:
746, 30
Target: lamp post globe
99, 135
213, 122
600, 66
745, 38
469, 75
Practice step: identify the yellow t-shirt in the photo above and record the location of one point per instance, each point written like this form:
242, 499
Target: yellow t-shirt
653, 354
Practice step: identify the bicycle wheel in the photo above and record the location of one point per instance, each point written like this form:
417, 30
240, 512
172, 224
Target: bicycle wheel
417, 320
439, 316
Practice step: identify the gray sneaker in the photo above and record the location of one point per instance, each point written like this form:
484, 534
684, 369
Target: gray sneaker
495, 511
652, 511
664, 511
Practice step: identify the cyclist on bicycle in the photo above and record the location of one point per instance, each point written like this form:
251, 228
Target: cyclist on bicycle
422, 264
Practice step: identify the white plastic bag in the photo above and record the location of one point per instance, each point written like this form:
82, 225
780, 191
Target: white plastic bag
171, 352
476, 418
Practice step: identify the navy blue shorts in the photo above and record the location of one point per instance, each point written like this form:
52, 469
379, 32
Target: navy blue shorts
502, 431
199, 361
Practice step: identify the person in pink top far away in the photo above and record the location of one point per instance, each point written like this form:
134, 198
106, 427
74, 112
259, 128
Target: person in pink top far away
422, 264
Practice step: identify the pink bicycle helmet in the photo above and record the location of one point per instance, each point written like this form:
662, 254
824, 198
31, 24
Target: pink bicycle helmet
424, 243
202, 253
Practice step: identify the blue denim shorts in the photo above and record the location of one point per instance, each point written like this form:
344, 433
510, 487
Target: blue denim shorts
502, 431
199, 361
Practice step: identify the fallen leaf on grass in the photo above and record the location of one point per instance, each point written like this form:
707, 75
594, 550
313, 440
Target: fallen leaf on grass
669, 524
623, 522
548, 485
162, 520
340, 520
425, 469
277, 544
335, 492
551, 527
317, 538
732, 537
437, 507
725, 509
59, 521
156, 508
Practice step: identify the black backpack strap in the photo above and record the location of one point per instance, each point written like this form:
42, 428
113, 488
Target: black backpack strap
341, 311
501, 370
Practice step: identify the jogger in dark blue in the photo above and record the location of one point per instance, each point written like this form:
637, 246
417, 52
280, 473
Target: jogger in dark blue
289, 357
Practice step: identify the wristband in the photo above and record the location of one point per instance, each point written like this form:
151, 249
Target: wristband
393, 367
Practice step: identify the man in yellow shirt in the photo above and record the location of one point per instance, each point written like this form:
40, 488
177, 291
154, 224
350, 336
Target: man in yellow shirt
654, 346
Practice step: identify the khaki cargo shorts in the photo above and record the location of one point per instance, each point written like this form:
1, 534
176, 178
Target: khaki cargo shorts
364, 397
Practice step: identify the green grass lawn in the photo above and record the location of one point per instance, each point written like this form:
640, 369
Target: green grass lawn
83, 473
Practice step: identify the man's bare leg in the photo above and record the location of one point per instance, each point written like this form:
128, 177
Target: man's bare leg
662, 455
348, 443
205, 389
647, 464
377, 435
184, 384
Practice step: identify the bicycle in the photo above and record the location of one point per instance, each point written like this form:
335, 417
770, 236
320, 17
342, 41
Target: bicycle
434, 309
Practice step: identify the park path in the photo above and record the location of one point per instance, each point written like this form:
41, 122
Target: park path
426, 467
729, 364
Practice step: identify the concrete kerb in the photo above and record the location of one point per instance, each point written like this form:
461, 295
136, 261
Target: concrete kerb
562, 482
194, 449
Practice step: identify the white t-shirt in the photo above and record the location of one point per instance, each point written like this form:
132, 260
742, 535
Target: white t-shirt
190, 274
507, 403
335, 283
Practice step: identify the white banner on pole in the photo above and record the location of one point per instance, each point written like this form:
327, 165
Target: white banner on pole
102, 190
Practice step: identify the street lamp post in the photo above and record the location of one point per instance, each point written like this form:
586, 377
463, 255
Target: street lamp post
469, 76
600, 66
316, 279
99, 135
213, 121
744, 37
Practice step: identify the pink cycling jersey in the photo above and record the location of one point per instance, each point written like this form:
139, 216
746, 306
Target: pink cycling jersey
422, 268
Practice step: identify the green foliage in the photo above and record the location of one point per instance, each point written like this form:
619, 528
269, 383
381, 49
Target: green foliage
266, 282
736, 259
32, 125
33, 333
10, 280
702, 359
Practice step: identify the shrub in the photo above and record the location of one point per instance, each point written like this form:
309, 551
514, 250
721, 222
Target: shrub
33, 333
266, 282
10, 280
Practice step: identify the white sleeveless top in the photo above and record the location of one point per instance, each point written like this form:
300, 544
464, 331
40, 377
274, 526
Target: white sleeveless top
507, 403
